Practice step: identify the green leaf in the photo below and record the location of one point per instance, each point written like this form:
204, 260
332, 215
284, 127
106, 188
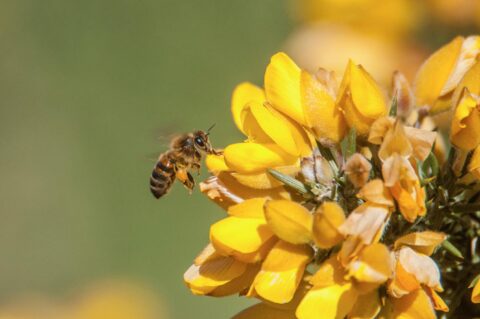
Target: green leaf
394, 106
448, 246
290, 181
474, 281
349, 143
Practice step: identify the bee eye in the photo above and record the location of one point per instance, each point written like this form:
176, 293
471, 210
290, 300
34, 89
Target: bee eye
199, 142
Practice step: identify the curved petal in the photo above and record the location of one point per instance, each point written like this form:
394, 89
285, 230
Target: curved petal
250, 208
321, 111
471, 82
366, 94
435, 71
415, 305
204, 278
376, 192
374, 265
282, 87
331, 302
275, 127
265, 180
476, 293
367, 306
328, 217
282, 271
289, 221
254, 158
226, 191
243, 94
465, 130
264, 311
216, 164
240, 237
423, 242
421, 266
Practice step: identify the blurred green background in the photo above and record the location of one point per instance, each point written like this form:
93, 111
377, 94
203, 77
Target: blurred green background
86, 87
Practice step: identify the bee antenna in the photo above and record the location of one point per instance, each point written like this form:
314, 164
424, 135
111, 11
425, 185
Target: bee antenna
210, 128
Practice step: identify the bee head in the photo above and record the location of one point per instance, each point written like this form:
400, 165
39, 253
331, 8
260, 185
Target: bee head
201, 142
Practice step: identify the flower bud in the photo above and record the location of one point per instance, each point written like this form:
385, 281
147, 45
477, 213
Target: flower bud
358, 170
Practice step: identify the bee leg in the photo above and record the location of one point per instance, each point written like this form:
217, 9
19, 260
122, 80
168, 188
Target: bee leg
196, 167
186, 178
217, 152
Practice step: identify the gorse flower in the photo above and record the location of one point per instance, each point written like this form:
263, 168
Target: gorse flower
340, 203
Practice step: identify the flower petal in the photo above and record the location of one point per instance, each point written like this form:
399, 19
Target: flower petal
471, 81
367, 306
415, 305
243, 94
216, 164
265, 180
421, 266
465, 130
225, 191
282, 271
275, 127
376, 192
331, 302
374, 265
366, 93
327, 218
421, 140
321, 111
476, 293
202, 279
254, 158
423, 242
289, 221
250, 208
435, 71
365, 222
282, 87
264, 311
241, 237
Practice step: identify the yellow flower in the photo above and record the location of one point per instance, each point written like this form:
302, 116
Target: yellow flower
360, 99
338, 291
416, 275
465, 130
441, 73
270, 119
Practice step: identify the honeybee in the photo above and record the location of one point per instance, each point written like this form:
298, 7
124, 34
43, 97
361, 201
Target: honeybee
184, 155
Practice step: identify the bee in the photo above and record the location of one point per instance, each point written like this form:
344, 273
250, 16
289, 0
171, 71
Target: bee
184, 155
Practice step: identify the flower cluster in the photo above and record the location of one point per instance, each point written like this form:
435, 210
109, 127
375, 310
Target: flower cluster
342, 200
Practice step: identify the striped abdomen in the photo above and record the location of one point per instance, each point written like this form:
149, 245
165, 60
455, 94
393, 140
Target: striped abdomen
163, 176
